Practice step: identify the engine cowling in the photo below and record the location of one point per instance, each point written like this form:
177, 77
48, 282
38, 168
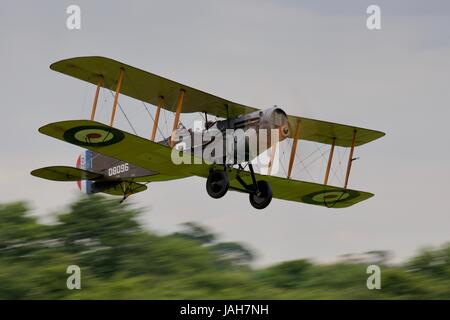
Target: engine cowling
273, 118
252, 134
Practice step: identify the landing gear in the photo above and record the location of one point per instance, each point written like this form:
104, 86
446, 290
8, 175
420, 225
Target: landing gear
260, 192
261, 198
217, 184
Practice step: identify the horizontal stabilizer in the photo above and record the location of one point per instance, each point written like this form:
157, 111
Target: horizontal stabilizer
65, 173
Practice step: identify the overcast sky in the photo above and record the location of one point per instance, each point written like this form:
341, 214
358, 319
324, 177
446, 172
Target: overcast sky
315, 59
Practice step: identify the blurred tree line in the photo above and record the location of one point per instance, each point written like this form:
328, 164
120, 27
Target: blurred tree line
119, 259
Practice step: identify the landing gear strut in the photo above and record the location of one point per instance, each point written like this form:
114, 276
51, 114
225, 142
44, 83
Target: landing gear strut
260, 192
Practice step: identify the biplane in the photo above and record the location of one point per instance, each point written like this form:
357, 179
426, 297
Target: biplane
120, 163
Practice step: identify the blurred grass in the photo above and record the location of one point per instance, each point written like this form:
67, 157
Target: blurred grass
120, 259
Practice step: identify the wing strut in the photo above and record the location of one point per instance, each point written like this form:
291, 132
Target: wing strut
294, 148
177, 115
158, 110
350, 159
97, 91
116, 97
330, 159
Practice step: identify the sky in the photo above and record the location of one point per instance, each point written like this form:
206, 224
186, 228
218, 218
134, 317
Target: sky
315, 59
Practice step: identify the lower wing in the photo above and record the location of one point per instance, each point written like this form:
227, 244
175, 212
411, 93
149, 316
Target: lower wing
120, 145
311, 193
297, 190
149, 155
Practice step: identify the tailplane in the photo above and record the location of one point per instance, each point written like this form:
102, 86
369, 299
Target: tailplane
96, 173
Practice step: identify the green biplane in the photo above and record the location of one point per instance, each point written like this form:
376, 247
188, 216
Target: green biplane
120, 163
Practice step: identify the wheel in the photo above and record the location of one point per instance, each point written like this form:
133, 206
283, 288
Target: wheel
217, 184
262, 198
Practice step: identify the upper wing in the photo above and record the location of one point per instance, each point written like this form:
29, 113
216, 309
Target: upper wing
118, 144
325, 132
146, 86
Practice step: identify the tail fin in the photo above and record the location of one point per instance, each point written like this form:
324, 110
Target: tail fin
84, 162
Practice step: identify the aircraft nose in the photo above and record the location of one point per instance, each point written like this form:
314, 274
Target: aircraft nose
284, 131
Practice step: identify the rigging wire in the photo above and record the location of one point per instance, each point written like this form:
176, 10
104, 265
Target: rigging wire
301, 162
124, 114
284, 160
322, 156
334, 173
121, 109
144, 104
281, 161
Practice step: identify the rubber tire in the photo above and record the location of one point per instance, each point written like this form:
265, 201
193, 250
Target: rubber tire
263, 198
217, 184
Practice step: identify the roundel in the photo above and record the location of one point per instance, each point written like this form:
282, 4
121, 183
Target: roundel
330, 197
95, 136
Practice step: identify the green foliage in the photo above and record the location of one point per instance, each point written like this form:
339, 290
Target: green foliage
432, 262
286, 275
233, 253
119, 259
194, 231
